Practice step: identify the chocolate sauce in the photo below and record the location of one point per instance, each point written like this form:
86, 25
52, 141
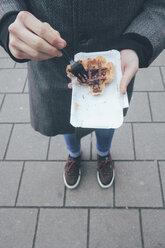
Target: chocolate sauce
96, 76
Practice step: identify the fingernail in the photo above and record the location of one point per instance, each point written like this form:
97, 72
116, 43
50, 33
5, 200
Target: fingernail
59, 54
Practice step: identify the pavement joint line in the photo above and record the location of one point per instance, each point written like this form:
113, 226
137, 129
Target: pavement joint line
7, 68
149, 104
144, 122
36, 228
25, 84
13, 69
17, 123
141, 228
114, 190
127, 122
156, 66
161, 74
11, 131
84, 207
88, 227
3, 57
133, 140
161, 186
64, 198
2, 102
137, 91
141, 91
47, 155
153, 122
19, 185
150, 108
14, 93
116, 161
91, 145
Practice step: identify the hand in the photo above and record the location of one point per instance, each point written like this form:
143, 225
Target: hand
29, 38
130, 66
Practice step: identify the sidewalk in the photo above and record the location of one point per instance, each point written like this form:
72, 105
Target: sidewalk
37, 211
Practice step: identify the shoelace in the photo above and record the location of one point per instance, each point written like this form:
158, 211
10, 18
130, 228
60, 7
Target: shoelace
103, 165
70, 167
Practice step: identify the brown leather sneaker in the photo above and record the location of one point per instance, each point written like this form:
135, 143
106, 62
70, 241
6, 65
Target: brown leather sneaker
105, 171
72, 172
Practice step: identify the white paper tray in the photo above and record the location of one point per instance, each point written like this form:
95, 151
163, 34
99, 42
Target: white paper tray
102, 111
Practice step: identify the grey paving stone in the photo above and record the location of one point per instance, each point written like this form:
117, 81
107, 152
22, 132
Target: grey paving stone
149, 79
89, 192
160, 60
137, 184
42, 184
58, 150
5, 130
114, 228
153, 228
21, 65
162, 171
157, 100
139, 108
12, 80
3, 53
27, 144
17, 227
15, 108
149, 140
122, 144
10, 173
64, 228
6, 63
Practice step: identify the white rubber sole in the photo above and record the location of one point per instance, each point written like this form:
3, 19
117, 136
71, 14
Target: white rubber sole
75, 185
105, 186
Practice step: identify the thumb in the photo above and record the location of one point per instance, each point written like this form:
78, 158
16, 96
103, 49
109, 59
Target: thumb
128, 74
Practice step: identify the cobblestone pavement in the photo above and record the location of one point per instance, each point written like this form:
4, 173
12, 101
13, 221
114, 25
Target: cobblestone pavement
37, 211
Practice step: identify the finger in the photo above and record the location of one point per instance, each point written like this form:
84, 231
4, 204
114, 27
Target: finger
43, 30
122, 68
18, 53
35, 42
21, 50
129, 72
70, 85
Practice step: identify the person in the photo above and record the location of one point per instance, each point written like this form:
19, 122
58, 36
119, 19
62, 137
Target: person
36, 31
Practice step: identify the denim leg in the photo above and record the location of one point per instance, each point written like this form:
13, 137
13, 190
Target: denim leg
104, 139
72, 145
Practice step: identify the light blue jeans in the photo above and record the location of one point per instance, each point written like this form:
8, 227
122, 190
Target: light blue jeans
103, 145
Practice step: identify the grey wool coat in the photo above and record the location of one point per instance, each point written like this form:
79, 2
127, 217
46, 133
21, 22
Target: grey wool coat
87, 26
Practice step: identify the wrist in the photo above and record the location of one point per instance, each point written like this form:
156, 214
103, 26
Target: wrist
6, 21
139, 44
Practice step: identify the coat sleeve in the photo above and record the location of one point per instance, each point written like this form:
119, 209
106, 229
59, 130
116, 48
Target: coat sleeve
7, 6
150, 23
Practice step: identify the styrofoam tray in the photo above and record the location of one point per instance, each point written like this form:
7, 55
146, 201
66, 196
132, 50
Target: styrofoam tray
102, 111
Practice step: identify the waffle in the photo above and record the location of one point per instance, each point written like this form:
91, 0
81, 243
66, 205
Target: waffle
99, 73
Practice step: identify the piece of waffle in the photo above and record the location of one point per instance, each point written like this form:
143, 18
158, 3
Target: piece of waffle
99, 73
